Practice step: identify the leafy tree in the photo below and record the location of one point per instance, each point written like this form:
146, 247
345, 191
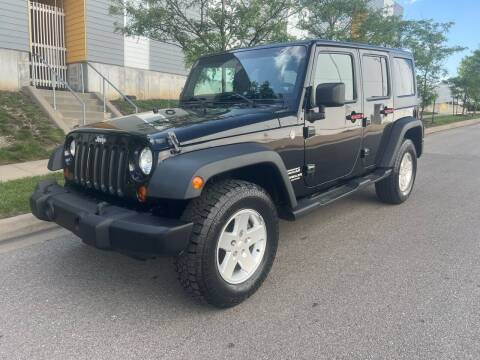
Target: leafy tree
201, 27
350, 20
428, 42
469, 78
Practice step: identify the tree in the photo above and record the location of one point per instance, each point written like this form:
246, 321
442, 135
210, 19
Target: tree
456, 86
350, 20
469, 77
427, 40
201, 27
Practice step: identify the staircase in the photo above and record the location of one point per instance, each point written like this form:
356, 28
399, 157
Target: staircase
70, 109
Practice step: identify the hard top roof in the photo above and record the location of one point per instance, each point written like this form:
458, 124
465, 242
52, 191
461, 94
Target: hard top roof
326, 43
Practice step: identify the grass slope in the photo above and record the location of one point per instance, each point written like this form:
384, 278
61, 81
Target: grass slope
25, 132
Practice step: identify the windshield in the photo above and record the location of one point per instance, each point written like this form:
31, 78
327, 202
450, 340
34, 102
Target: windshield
259, 76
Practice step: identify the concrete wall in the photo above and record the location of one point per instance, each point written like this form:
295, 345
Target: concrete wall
144, 84
15, 69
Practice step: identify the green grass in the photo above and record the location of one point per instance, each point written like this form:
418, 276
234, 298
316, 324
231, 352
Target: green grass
14, 194
25, 132
446, 119
143, 105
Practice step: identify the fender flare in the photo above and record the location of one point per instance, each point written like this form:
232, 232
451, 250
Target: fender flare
397, 134
56, 159
172, 177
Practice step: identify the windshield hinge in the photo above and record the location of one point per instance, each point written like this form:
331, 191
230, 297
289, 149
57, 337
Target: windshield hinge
172, 139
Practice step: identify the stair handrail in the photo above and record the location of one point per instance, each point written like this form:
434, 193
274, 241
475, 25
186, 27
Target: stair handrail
55, 78
105, 79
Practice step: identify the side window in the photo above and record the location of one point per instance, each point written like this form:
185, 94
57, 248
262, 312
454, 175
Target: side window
375, 76
334, 68
404, 77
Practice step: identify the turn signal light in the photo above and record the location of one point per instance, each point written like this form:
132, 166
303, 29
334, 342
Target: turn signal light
142, 194
197, 182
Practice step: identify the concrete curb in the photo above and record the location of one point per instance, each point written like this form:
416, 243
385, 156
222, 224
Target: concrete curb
455, 125
21, 225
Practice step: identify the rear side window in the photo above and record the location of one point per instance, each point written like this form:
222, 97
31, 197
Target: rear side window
335, 68
375, 76
404, 77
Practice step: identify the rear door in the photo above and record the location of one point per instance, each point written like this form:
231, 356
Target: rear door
378, 101
333, 146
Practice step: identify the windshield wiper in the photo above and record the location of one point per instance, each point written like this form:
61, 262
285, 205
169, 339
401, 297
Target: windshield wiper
225, 96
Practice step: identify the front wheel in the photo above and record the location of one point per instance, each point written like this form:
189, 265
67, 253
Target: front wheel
233, 244
396, 188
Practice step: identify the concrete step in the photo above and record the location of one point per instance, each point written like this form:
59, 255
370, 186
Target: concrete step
71, 100
89, 116
93, 106
67, 94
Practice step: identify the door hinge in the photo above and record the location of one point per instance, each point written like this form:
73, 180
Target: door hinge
308, 131
364, 152
309, 169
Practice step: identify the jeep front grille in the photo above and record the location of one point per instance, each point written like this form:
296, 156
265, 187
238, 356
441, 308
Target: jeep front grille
101, 167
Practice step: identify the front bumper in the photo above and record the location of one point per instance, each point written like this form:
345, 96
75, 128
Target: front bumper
106, 226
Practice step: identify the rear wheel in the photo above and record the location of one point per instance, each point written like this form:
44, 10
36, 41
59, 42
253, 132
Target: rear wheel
397, 187
233, 243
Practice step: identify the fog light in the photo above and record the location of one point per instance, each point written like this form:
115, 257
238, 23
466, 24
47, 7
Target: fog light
197, 182
142, 194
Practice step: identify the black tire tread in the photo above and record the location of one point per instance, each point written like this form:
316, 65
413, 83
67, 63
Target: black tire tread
386, 189
202, 212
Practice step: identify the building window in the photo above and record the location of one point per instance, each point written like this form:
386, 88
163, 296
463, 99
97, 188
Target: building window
375, 77
404, 77
336, 68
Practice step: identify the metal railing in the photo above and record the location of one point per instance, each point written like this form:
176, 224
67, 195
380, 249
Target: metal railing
56, 78
104, 81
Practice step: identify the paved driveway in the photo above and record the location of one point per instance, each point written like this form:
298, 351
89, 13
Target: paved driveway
355, 280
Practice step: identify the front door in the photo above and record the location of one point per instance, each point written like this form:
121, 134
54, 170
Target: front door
378, 106
333, 145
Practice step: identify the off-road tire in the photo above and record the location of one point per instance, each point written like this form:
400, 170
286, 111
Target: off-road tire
197, 265
388, 189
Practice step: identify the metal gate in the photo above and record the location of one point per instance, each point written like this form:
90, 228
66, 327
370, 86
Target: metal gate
47, 44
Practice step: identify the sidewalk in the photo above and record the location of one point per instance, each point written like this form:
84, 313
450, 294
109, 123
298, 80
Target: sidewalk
21, 170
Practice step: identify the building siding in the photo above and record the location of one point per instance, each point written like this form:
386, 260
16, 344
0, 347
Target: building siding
75, 31
14, 29
103, 44
137, 52
166, 58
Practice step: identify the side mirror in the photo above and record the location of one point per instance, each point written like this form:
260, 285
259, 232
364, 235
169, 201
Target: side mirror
330, 95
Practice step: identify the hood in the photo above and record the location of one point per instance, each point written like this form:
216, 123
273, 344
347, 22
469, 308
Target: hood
190, 125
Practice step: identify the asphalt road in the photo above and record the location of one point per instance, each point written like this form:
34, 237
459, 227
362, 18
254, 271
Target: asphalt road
355, 280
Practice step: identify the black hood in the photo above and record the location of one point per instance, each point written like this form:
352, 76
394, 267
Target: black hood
188, 125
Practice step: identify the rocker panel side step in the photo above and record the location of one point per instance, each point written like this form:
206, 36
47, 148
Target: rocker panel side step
312, 202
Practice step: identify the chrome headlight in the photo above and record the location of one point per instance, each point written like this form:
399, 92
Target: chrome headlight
72, 147
145, 161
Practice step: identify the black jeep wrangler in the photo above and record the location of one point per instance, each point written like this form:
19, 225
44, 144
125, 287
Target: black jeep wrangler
259, 134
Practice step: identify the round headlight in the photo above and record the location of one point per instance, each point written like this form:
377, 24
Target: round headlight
72, 147
145, 161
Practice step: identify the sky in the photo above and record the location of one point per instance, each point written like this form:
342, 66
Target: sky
465, 14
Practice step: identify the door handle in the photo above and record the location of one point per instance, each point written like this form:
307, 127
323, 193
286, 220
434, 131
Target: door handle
386, 110
354, 116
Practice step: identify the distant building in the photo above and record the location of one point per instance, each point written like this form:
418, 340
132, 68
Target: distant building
444, 103
391, 7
